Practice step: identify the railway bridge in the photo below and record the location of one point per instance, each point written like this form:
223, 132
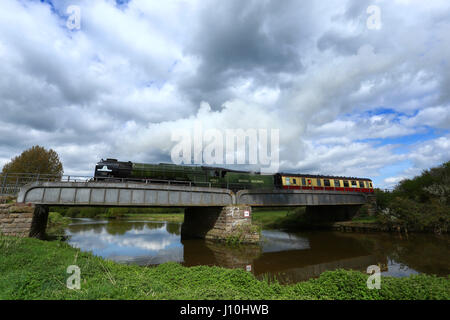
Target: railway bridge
210, 213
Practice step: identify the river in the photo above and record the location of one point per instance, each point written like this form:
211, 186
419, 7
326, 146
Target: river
287, 256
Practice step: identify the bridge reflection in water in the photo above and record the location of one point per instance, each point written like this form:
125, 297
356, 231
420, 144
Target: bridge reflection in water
285, 256
289, 258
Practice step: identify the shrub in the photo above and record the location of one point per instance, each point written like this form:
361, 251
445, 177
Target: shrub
409, 214
116, 212
421, 203
55, 218
91, 212
73, 212
384, 198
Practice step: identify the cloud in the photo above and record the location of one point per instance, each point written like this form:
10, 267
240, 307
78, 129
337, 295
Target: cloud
434, 151
340, 94
436, 117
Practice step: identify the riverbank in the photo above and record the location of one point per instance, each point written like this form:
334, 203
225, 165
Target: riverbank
296, 220
278, 218
56, 224
34, 269
168, 217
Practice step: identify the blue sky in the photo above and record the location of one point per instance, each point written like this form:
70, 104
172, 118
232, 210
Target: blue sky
348, 99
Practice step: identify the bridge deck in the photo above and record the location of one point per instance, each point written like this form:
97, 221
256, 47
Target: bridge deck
162, 195
280, 198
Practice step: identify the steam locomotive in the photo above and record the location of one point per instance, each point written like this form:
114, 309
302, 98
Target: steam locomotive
112, 169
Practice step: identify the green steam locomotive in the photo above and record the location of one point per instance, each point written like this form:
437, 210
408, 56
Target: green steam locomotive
111, 169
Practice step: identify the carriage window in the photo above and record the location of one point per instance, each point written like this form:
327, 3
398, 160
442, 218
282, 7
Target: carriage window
337, 183
361, 184
288, 181
318, 182
309, 181
294, 181
370, 184
304, 181
345, 183
353, 183
326, 183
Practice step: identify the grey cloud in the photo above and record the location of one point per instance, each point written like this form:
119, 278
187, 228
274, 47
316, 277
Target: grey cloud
251, 39
342, 45
356, 9
121, 84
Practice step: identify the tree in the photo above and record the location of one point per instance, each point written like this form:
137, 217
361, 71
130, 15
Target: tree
35, 160
419, 203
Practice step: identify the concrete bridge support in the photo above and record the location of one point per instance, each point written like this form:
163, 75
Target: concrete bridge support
371, 205
39, 222
229, 224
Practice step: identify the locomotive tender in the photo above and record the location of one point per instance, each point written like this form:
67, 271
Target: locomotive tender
112, 169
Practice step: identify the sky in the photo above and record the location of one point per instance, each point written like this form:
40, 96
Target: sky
353, 90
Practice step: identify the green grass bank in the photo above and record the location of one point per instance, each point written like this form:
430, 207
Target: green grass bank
279, 218
34, 269
168, 217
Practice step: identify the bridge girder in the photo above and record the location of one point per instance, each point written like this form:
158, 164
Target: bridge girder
164, 195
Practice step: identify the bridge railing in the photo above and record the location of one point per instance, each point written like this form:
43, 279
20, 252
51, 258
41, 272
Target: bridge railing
10, 183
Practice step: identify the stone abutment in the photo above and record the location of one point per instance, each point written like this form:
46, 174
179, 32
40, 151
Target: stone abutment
22, 220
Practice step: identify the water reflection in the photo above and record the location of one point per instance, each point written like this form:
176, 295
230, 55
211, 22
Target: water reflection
289, 257
273, 241
425, 253
198, 252
128, 242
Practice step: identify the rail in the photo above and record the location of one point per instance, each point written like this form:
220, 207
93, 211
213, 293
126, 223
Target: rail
10, 183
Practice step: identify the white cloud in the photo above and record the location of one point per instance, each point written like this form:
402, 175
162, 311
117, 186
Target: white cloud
392, 181
134, 73
431, 153
436, 117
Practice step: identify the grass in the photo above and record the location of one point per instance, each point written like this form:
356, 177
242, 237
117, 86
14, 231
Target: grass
92, 212
268, 219
296, 219
34, 269
366, 219
279, 219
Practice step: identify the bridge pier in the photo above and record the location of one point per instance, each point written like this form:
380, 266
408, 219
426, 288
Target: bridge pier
371, 205
39, 222
229, 223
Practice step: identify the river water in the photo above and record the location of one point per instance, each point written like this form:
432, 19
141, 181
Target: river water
287, 256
